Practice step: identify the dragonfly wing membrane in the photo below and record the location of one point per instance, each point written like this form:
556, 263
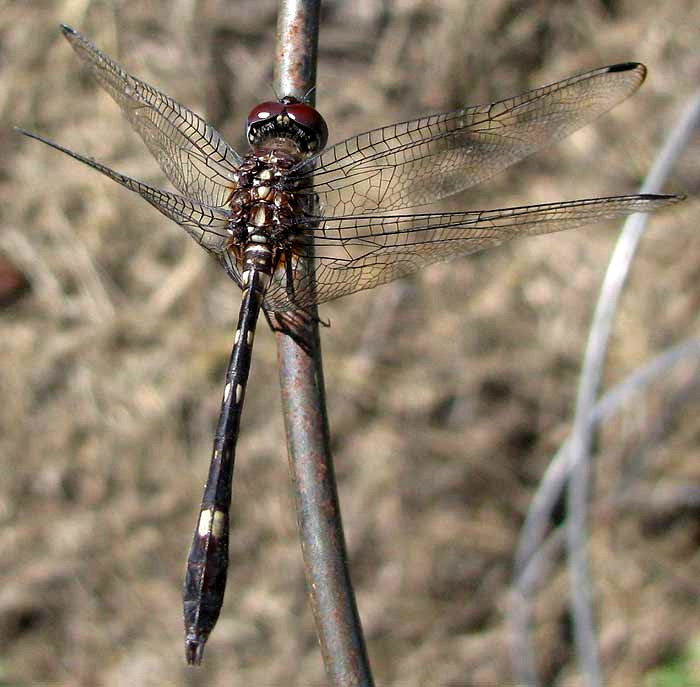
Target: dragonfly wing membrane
192, 153
206, 225
357, 253
423, 160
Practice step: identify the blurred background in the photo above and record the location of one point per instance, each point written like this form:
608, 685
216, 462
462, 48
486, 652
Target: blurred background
445, 408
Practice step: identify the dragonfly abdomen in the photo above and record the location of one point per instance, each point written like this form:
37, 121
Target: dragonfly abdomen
207, 563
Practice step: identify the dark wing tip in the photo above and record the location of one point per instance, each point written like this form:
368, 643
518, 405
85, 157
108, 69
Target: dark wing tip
668, 197
68, 30
626, 67
629, 67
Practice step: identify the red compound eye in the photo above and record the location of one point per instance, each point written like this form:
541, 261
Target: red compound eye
288, 118
309, 118
264, 111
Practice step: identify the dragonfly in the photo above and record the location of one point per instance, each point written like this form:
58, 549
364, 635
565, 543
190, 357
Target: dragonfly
295, 223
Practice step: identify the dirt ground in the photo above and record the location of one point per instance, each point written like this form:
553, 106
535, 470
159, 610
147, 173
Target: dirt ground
448, 393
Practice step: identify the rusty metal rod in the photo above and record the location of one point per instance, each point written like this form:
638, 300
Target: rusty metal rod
303, 403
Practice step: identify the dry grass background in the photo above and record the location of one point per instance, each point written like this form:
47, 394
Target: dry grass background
112, 362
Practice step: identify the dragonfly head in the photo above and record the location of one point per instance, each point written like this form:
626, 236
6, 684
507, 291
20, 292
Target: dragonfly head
290, 119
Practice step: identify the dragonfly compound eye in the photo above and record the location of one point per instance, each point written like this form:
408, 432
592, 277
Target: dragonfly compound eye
288, 118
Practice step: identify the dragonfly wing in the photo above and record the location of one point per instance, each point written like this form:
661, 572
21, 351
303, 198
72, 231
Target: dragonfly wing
192, 154
205, 224
356, 253
420, 161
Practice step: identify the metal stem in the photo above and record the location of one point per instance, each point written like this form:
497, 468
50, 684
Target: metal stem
303, 403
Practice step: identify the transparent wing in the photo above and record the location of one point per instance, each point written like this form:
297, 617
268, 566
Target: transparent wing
206, 225
357, 253
420, 161
192, 154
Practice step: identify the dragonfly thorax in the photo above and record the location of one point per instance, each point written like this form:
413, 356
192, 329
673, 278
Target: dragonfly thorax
264, 212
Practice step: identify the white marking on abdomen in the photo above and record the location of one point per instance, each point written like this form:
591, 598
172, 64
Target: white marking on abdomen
217, 528
205, 519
